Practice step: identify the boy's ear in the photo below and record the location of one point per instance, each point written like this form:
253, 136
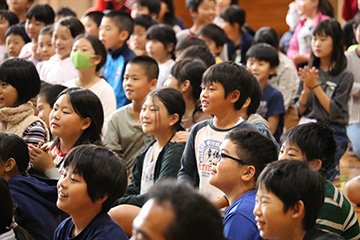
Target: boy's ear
153, 83
272, 71
247, 103
123, 35
86, 123
248, 174
299, 210
10, 165
315, 165
234, 96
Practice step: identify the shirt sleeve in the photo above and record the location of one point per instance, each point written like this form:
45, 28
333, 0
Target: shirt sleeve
35, 134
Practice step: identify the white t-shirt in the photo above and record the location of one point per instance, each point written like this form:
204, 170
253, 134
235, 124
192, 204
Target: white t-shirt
164, 72
148, 171
57, 71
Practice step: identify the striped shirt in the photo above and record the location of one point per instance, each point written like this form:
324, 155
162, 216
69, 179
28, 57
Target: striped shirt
34, 134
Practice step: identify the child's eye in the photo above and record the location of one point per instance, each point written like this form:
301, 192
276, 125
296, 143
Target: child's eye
4, 84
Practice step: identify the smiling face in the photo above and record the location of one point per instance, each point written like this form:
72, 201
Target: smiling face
63, 41
32, 27
45, 46
8, 95
206, 12
213, 98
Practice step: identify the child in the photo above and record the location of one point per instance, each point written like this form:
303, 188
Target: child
235, 172
221, 5
7, 19
59, 69
37, 17
187, 42
63, 12
215, 38
160, 44
288, 199
93, 177
16, 38
45, 46
124, 134
19, 83
138, 38
76, 118
46, 99
262, 60
326, 85
315, 145
92, 21
34, 198
198, 52
115, 29
202, 12
146, 7
314, 12
225, 88
167, 15
88, 55
20, 8
239, 40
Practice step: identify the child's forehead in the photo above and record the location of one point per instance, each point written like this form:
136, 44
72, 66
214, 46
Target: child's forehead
2, 18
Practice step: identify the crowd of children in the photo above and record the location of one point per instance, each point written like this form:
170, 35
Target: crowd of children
99, 112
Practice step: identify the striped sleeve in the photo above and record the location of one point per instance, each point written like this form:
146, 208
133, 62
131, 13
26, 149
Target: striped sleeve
34, 134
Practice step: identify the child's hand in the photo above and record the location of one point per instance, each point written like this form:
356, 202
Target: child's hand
309, 77
180, 137
41, 157
35, 53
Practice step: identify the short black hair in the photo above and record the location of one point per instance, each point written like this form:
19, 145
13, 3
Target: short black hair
232, 77
145, 21
255, 97
163, 33
23, 76
19, 30
103, 171
293, 181
9, 16
153, 5
264, 52
188, 42
42, 13
316, 141
267, 35
74, 25
13, 146
96, 16
122, 20
47, 30
199, 52
192, 212
193, 4
215, 33
66, 12
248, 143
148, 64
50, 92
234, 14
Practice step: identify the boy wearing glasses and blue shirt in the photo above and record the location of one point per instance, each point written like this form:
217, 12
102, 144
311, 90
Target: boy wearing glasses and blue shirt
235, 173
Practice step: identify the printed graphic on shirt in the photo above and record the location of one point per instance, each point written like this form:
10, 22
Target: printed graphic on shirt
262, 109
208, 151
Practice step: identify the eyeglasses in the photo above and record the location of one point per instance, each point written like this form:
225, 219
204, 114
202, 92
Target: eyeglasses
224, 155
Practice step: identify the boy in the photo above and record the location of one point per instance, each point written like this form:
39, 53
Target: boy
115, 29
146, 7
315, 145
225, 87
262, 60
7, 19
288, 199
138, 39
20, 8
124, 134
92, 178
235, 173
215, 38
16, 38
92, 21
202, 12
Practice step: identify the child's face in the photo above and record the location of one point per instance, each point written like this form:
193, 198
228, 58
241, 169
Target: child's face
154, 117
291, 151
206, 12
213, 99
157, 50
232, 30
306, 7
44, 110
65, 122
221, 5
83, 45
322, 46
45, 46
90, 26
14, 43
137, 9
138, 38
8, 95
260, 69
4, 25
269, 213
356, 33
215, 50
63, 41
18, 5
136, 84
72, 193
109, 34
32, 27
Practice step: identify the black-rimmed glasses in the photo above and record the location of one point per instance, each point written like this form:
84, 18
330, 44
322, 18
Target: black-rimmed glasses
224, 155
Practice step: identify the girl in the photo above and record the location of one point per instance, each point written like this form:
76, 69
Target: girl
45, 46
167, 15
314, 11
88, 56
326, 85
76, 118
59, 69
186, 77
19, 82
160, 44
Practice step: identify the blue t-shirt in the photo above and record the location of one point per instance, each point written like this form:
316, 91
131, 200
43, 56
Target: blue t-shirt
239, 220
272, 103
101, 227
